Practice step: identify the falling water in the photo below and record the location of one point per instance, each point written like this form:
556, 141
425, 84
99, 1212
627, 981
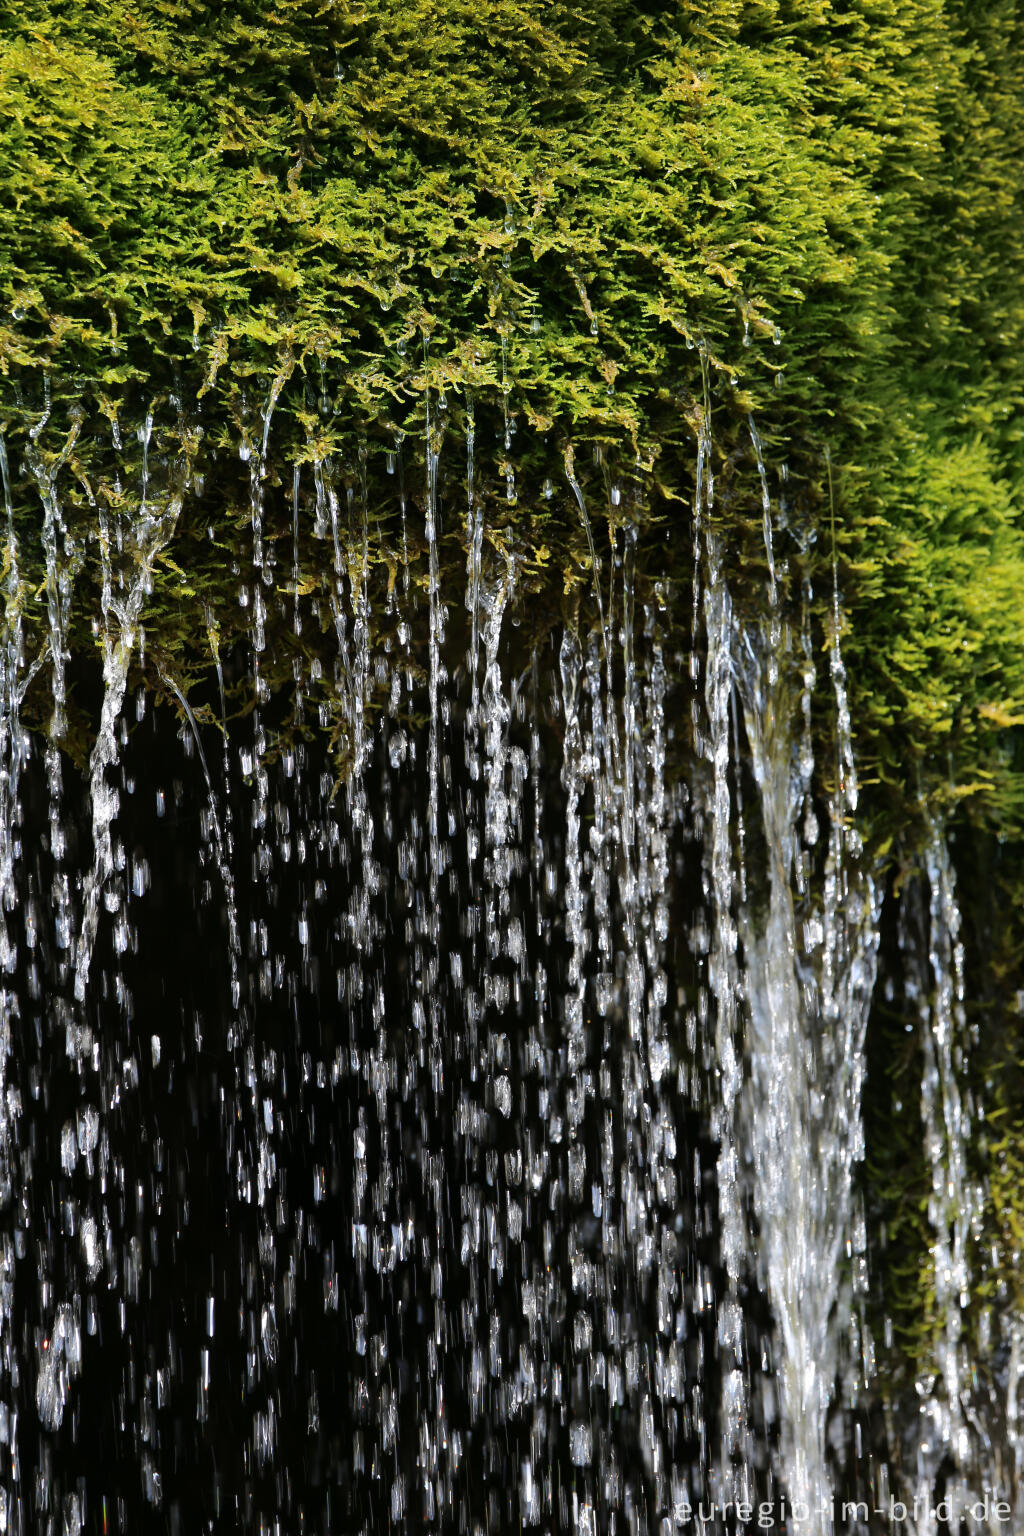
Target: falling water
810, 975
484, 1064
955, 1200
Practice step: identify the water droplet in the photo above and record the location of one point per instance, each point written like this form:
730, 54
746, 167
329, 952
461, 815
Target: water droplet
580, 1443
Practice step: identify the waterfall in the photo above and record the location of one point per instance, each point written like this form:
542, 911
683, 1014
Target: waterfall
792, 985
811, 971
473, 1025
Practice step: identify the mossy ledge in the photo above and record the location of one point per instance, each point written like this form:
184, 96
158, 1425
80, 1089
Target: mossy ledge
594, 232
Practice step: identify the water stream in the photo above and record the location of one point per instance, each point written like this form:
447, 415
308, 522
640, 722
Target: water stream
450, 1115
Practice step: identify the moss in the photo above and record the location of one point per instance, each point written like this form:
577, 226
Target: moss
565, 199
558, 217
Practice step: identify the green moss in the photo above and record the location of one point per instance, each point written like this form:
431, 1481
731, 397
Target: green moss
565, 199
556, 215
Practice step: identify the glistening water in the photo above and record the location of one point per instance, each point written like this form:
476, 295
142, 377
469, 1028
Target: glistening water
432, 1099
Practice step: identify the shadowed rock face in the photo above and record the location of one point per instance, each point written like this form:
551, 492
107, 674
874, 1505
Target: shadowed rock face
376, 381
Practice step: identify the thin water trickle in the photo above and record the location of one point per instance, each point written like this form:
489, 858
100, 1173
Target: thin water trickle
946, 1431
142, 542
724, 985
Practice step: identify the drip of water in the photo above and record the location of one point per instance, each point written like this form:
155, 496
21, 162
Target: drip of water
142, 540
435, 437
774, 620
595, 564
766, 513
724, 985
60, 573
14, 748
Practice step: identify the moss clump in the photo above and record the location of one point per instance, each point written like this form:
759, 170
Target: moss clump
576, 231
566, 200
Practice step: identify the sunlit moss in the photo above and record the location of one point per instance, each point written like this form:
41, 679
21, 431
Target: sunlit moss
558, 217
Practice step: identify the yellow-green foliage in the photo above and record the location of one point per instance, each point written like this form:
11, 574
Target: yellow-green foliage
567, 212
566, 198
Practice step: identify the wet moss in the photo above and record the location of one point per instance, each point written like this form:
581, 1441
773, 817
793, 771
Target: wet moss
568, 201
587, 225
